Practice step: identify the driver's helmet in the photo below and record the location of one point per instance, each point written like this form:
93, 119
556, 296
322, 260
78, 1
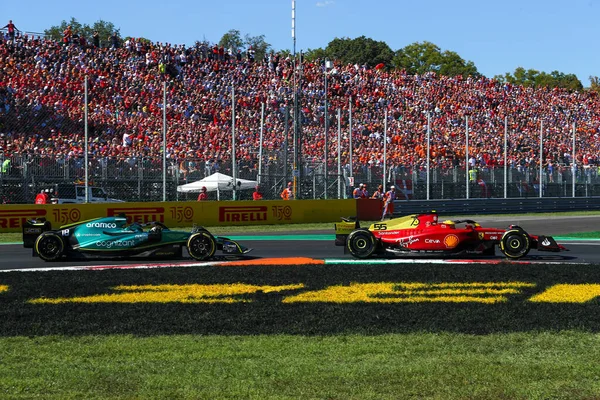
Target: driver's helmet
155, 228
449, 223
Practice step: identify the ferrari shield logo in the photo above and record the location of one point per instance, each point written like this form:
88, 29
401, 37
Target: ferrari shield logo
481, 235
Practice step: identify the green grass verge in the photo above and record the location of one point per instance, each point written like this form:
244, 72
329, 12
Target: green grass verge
585, 235
444, 366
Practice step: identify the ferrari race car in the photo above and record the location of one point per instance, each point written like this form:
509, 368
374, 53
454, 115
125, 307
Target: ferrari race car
113, 237
422, 233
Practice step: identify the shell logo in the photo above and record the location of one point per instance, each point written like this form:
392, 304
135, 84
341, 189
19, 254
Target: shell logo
451, 241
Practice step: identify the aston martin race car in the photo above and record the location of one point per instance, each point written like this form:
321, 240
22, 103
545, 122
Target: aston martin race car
113, 237
422, 233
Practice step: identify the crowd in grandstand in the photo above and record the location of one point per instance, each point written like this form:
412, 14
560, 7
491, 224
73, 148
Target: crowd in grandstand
42, 107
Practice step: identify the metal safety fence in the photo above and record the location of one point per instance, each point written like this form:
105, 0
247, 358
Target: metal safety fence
141, 179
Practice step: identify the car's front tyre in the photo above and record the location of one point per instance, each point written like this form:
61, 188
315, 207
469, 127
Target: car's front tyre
361, 243
515, 243
201, 246
49, 246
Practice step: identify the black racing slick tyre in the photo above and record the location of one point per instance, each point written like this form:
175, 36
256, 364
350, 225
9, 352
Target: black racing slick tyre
361, 243
49, 246
201, 246
515, 243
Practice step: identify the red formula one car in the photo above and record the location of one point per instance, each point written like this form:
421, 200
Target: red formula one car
422, 233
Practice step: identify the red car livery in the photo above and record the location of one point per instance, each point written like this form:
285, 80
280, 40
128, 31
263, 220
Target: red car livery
423, 233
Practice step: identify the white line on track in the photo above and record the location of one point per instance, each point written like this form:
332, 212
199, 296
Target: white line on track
454, 262
105, 267
328, 261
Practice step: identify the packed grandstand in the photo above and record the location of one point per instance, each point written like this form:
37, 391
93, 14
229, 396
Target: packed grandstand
42, 108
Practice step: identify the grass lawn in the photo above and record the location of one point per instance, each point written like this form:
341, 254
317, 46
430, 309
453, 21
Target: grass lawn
393, 366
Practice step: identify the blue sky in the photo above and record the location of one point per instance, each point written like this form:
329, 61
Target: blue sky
498, 36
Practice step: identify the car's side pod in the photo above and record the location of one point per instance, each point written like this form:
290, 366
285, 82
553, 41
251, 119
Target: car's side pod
33, 228
344, 228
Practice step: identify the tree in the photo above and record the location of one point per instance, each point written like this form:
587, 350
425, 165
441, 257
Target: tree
313, 54
534, 78
258, 44
595, 84
361, 50
454, 65
105, 29
419, 58
232, 39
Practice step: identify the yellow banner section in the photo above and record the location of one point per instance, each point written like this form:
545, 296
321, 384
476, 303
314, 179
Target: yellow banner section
174, 214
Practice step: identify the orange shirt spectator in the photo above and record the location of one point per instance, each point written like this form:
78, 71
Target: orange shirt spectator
287, 193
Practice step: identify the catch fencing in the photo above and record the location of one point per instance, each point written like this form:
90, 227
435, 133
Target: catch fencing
141, 179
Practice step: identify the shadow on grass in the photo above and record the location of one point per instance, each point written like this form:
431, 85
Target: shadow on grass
265, 312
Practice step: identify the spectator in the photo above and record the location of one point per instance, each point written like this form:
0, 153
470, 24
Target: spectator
67, 35
6, 166
96, 39
114, 40
257, 195
365, 192
11, 29
378, 194
123, 85
358, 193
203, 195
287, 193
41, 198
388, 200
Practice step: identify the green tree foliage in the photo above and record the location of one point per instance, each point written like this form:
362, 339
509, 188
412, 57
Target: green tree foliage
232, 39
535, 78
361, 50
419, 58
453, 65
105, 30
595, 84
258, 44
313, 54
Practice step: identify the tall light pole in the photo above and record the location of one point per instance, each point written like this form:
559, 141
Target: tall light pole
164, 142
85, 140
296, 172
328, 64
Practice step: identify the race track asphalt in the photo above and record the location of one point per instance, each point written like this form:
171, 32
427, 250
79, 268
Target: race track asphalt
14, 256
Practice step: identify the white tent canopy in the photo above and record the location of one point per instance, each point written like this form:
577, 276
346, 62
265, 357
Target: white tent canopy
217, 182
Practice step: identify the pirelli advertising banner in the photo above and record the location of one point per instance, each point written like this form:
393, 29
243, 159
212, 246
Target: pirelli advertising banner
178, 214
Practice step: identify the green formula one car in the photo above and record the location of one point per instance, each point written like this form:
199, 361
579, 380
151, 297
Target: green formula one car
113, 237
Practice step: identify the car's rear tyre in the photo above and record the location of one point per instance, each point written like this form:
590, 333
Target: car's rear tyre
361, 243
49, 246
201, 246
515, 243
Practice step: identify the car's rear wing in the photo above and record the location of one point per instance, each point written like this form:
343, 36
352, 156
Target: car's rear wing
32, 229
